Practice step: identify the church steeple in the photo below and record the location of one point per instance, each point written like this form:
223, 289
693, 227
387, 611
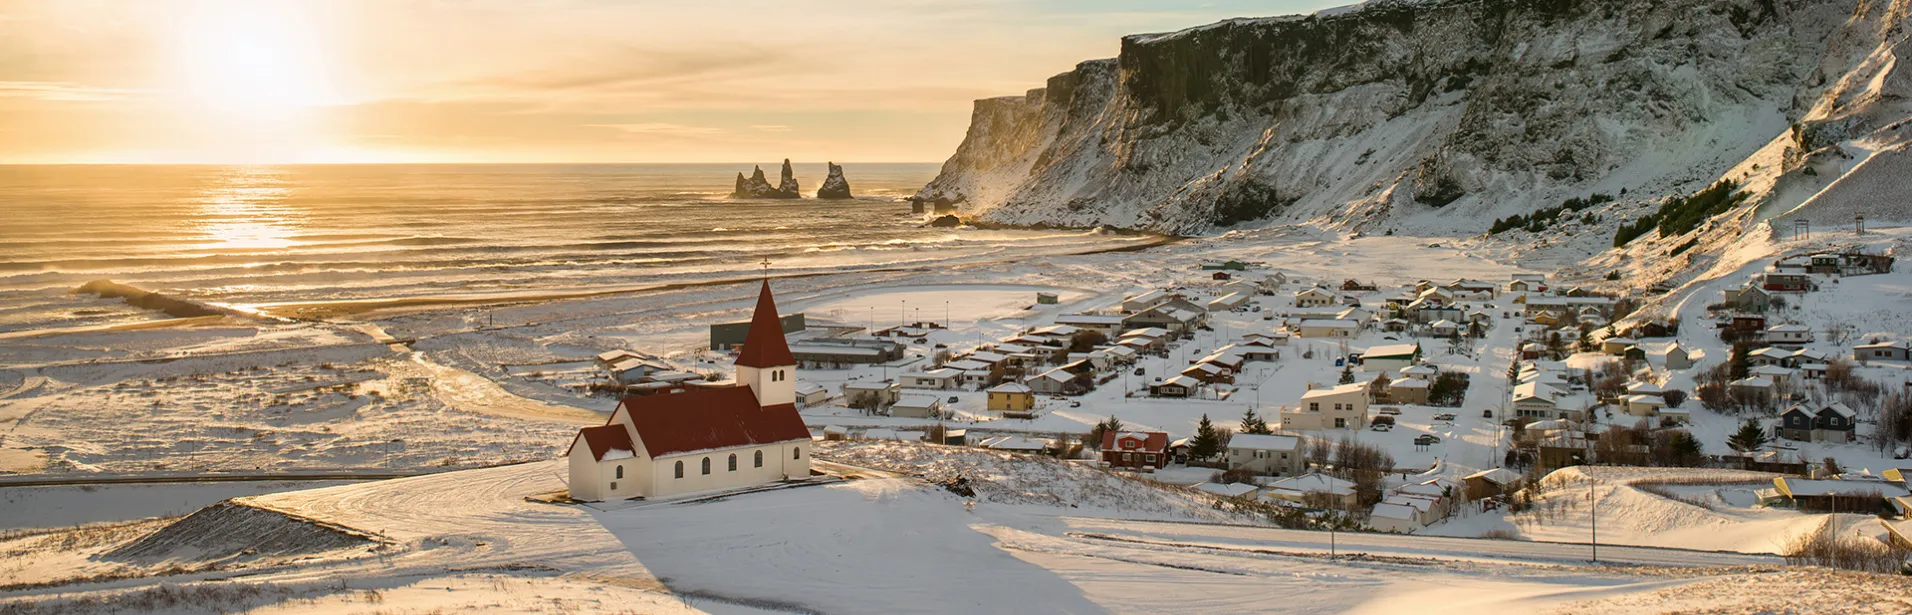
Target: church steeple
765, 363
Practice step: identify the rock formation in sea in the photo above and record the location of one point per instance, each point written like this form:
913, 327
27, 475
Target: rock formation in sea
834, 186
758, 187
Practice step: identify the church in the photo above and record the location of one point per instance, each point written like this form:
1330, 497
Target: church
706, 439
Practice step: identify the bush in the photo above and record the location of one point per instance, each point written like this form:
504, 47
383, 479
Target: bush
1825, 548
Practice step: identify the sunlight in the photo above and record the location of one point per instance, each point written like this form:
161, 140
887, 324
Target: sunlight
252, 57
242, 212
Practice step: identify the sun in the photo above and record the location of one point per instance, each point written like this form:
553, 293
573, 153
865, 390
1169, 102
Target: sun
252, 57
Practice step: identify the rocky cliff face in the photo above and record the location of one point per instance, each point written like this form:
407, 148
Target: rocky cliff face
758, 187
1433, 116
834, 186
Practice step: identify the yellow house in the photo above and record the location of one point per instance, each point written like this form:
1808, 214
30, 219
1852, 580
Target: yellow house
1011, 397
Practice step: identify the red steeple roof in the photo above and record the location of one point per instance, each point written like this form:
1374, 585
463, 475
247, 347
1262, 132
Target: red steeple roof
764, 346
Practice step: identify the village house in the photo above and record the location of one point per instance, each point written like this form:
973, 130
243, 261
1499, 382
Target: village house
1057, 381
1314, 328
1391, 357
1011, 397
1828, 423
1748, 298
1444, 328
1672, 356
1134, 449
940, 379
1210, 373
1178, 386
1229, 302
1755, 387
1616, 346
880, 392
1791, 335
1883, 351
1167, 316
1015, 444
1839, 494
840, 352
810, 394
1489, 483
1137, 303
1314, 490
1339, 407
705, 439
1409, 391
1268, 455
1315, 297
1106, 324
917, 406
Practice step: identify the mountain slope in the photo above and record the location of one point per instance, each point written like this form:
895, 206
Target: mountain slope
1426, 117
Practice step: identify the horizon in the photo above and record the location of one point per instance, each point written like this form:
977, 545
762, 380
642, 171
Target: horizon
227, 82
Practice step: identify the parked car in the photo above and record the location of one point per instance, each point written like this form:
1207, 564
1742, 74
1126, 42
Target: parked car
1426, 439
1383, 420
1140, 371
954, 399
1391, 410
1444, 416
1382, 427
1487, 414
1075, 404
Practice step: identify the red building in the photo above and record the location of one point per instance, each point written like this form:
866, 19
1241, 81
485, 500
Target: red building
1135, 449
1787, 282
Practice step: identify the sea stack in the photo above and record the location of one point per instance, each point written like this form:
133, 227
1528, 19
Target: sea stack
834, 186
758, 187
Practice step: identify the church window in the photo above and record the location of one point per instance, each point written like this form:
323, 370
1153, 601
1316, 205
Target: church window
680, 469
796, 453
759, 459
620, 471
706, 466
733, 462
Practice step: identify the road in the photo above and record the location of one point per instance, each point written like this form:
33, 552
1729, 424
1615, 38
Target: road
46, 480
1252, 539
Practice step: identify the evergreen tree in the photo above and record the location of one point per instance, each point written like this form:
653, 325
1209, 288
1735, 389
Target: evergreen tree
1748, 439
1347, 374
1686, 449
1740, 365
1253, 424
1206, 443
1094, 437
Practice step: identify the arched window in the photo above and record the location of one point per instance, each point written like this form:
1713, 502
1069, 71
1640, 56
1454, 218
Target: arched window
759, 459
620, 471
706, 465
733, 462
796, 452
680, 468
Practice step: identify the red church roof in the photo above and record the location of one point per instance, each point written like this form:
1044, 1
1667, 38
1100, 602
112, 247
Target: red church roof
707, 419
764, 345
604, 439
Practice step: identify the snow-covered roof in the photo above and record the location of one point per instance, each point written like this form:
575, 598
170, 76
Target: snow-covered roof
1014, 443
1498, 476
1409, 383
939, 373
1330, 324
918, 401
1648, 400
1227, 490
1443, 324
1390, 510
1390, 350
1146, 332
1010, 387
1790, 328
1423, 370
1265, 442
1770, 370
1344, 389
1757, 382
1804, 487
1183, 381
805, 387
1314, 482
1644, 388
1092, 319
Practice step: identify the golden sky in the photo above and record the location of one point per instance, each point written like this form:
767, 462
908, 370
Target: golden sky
537, 80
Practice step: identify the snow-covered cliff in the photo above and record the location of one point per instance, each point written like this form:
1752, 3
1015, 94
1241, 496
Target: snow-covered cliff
1434, 116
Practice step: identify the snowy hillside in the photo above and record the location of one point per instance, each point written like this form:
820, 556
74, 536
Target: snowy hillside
1433, 117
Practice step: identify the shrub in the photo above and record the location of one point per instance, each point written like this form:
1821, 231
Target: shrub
1824, 547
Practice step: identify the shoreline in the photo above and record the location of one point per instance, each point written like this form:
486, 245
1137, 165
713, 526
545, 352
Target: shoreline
321, 310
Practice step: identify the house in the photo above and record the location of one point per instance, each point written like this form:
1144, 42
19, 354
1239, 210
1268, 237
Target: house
1883, 351
1270, 455
1227, 490
1137, 303
1673, 356
1015, 444
1313, 328
1444, 328
1748, 298
1489, 483
1134, 449
1279, 338
1399, 517
940, 379
1012, 397
1353, 285
1047, 298
1228, 265
702, 439
917, 406
1786, 282
1522, 286
1056, 382
1617, 346
1314, 490
1391, 357
1179, 386
1409, 391
1829, 423
1789, 334
1778, 374
1168, 316
1210, 373
810, 394
1106, 324
1642, 405
1756, 387
1339, 407
881, 393
1270, 283
1420, 372
1229, 302
1315, 297
1846, 496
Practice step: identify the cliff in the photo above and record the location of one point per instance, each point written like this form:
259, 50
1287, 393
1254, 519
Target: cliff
758, 187
834, 186
1428, 117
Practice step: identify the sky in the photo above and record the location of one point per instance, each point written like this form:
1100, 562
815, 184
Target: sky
292, 81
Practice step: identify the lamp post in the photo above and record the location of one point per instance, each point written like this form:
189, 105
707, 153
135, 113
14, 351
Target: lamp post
1593, 517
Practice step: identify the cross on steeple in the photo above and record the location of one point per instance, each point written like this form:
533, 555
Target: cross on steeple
766, 267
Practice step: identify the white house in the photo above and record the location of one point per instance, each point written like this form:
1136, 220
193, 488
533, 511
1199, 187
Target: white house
1229, 302
1315, 297
1273, 455
703, 439
935, 379
1315, 328
883, 391
917, 406
810, 393
1106, 324
1789, 334
1335, 492
1391, 357
1340, 407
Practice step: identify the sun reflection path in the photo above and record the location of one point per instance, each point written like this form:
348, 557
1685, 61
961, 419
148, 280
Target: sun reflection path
244, 210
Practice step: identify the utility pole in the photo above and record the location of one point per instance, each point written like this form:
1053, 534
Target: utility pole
1593, 516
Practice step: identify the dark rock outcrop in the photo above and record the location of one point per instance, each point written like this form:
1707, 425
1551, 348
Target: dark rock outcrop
758, 187
834, 186
946, 222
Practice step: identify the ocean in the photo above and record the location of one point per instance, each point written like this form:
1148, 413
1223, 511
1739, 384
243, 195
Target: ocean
252, 235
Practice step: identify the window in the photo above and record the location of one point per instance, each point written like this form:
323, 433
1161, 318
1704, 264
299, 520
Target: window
759, 459
620, 471
733, 462
614, 485
796, 452
1151, 459
680, 468
1314, 406
1340, 422
1128, 457
706, 466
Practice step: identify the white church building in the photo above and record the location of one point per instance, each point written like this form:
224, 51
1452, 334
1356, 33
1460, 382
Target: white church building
704, 439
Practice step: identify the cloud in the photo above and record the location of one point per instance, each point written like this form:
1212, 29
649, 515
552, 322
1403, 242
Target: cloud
67, 92
770, 127
662, 129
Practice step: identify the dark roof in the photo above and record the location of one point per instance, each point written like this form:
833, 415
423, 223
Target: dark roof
709, 419
604, 439
764, 346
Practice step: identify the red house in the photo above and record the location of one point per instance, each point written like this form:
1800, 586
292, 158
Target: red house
1135, 449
